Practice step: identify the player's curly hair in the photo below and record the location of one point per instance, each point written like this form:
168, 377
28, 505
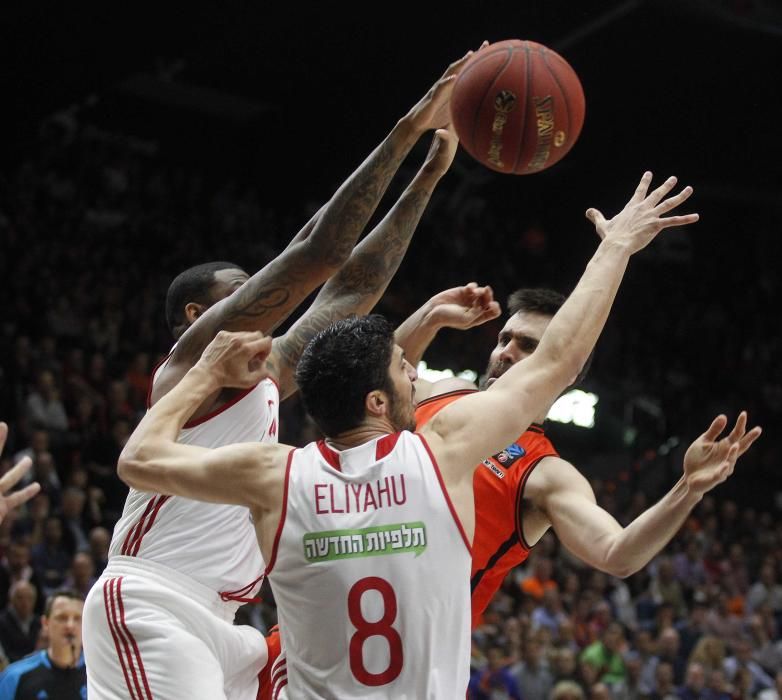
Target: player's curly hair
340, 366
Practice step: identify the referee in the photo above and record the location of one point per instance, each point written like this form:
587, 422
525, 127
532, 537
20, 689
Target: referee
57, 672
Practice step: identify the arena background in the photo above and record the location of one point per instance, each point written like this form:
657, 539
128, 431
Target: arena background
139, 140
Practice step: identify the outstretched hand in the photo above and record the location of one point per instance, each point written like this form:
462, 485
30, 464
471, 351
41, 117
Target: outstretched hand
710, 460
237, 359
642, 218
11, 478
464, 307
432, 111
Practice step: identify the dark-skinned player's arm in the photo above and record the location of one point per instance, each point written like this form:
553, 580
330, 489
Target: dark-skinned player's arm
461, 308
270, 295
468, 430
360, 284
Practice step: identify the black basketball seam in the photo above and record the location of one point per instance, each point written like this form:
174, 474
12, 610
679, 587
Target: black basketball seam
488, 88
564, 98
520, 149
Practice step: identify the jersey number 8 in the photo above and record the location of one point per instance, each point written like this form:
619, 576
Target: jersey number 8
380, 628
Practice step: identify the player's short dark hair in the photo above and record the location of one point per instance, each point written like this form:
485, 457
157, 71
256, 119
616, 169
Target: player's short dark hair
61, 593
544, 301
538, 301
191, 286
340, 366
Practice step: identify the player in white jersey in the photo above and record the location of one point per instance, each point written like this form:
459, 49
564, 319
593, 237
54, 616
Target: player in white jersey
209, 552
367, 533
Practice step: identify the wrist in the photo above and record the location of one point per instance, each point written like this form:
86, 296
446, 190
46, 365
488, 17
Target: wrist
408, 128
204, 378
689, 494
616, 246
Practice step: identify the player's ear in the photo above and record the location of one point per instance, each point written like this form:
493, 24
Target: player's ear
193, 311
376, 403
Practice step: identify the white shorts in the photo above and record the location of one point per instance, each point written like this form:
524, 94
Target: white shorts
150, 632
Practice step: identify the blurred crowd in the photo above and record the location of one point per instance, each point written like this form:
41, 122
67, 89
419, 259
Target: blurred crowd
95, 225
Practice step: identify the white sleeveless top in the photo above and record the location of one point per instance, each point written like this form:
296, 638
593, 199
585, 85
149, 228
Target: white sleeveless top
371, 576
214, 544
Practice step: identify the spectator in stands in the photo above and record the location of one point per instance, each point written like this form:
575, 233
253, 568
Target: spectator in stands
742, 659
44, 408
19, 625
532, 675
766, 590
100, 539
774, 693
549, 613
50, 559
494, 680
605, 657
694, 687
540, 580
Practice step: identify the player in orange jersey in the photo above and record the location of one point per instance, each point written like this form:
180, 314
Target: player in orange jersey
528, 488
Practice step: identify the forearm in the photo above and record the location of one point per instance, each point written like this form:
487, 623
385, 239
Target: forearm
360, 284
156, 434
638, 543
574, 330
416, 333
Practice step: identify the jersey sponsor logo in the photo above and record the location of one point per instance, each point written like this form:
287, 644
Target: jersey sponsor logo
510, 454
495, 469
333, 545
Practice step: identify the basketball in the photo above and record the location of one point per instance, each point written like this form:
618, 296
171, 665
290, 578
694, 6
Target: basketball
517, 107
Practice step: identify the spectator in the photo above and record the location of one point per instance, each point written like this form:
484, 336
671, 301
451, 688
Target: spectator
549, 613
774, 693
72, 516
694, 687
742, 659
82, 574
532, 676
566, 690
43, 408
693, 627
16, 567
605, 656
57, 671
665, 588
50, 559
19, 625
539, 581
710, 653
766, 590
494, 682
100, 539
664, 687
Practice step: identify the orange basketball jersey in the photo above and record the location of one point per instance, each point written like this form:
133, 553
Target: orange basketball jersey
498, 544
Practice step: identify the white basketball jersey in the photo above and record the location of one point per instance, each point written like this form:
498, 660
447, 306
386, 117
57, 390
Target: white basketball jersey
214, 544
371, 576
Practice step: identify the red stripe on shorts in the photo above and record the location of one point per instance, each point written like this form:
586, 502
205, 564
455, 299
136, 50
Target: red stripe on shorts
110, 620
115, 619
132, 639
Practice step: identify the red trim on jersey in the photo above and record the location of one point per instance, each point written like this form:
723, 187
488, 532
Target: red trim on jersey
536, 428
445, 493
151, 384
278, 534
135, 543
329, 455
239, 595
107, 586
132, 639
385, 445
217, 411
133, 532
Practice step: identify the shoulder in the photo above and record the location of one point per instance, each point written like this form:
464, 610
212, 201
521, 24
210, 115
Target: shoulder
11, 675
553, 475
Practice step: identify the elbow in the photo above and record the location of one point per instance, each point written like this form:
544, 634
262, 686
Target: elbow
619, 569
130, 468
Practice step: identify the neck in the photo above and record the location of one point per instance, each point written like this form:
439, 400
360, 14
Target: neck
64, 656
369, 430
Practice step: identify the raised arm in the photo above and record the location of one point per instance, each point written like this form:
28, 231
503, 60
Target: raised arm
246, 474
269, 296
460, 308
358, 286
593, 535
481, 424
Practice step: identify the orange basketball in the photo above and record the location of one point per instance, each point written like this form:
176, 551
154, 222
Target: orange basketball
517, 107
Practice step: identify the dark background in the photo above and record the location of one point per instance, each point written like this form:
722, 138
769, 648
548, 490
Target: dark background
288, 98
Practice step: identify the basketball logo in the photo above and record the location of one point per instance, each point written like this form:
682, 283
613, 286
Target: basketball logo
505, 101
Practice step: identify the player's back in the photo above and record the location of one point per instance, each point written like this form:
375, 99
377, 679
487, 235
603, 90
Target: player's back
371, 576
211, 543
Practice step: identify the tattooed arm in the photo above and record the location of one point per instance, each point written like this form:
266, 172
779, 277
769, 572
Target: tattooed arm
319, 250
325, 243
358, 286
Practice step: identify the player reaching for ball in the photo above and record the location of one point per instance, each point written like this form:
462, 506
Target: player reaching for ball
367, 533
159, 621
526, 488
